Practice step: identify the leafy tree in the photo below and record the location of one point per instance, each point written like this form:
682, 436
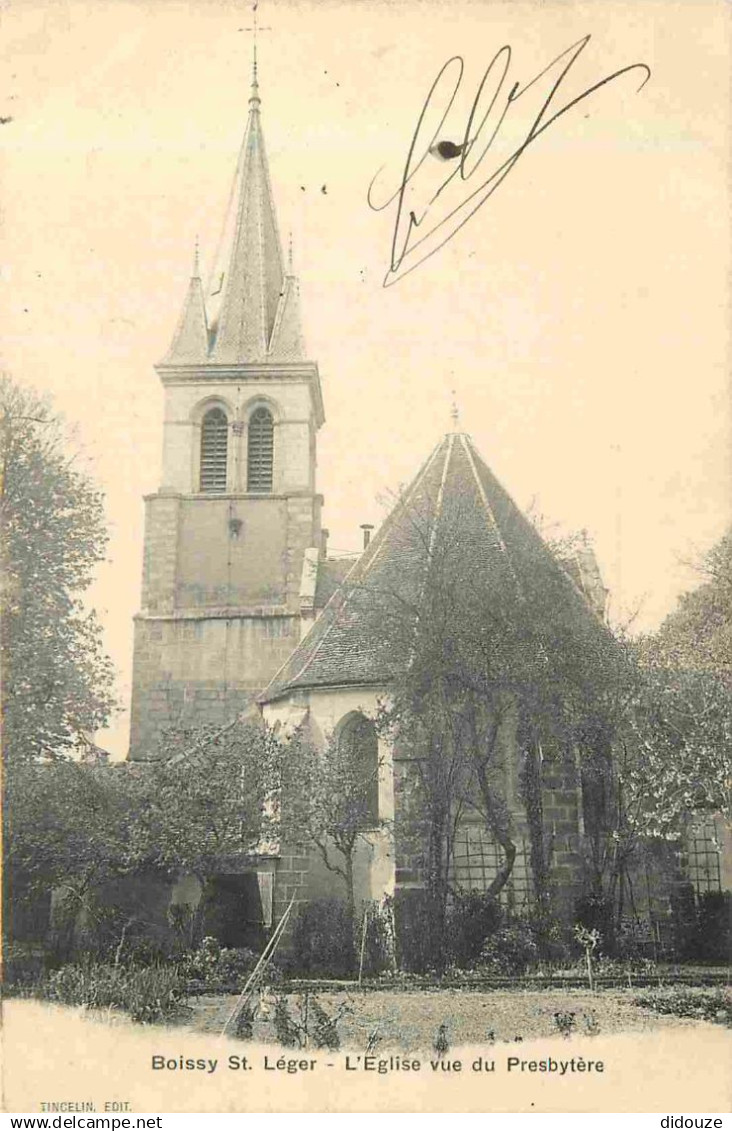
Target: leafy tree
67, 830
327, 801
209, 793
56, 680
670, 754
682, 730
485, 661
682, 719
698, 633
73, 828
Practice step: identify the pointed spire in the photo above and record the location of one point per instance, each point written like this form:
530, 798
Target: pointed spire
250, 274
190, 341
455, 413
254, 99
287, 339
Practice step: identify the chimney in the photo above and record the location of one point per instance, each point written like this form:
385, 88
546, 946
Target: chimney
324, 535
367, 527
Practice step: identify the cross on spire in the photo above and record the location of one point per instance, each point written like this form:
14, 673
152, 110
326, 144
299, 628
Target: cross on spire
255, 28
454, 412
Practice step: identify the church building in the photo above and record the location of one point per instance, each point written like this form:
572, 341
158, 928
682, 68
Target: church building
241, 603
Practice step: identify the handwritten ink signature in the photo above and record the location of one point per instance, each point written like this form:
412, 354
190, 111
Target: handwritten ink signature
418, 231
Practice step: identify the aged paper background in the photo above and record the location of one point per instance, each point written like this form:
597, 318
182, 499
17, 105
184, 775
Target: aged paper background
582, 317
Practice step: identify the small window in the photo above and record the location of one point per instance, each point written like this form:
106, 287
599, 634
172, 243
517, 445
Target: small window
214, 442
260, 451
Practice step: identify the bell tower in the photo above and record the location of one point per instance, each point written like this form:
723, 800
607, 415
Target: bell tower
226, 532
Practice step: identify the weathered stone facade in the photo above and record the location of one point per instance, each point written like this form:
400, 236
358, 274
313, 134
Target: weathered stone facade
223, 561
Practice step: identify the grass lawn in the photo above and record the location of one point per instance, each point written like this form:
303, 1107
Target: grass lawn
409, 1020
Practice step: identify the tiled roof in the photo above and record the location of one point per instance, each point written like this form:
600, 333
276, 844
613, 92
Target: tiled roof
190, 341
252, 275
331, 575
454, 500
253, 305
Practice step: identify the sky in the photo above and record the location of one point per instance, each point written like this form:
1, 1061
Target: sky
581, 315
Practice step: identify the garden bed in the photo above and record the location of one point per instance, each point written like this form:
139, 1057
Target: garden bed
564, 979
410, 1019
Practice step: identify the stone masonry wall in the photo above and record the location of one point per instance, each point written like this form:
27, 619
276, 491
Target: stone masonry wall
199, 670
561, 802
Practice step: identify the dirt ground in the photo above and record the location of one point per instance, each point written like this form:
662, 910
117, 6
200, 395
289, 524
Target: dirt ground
409, 1021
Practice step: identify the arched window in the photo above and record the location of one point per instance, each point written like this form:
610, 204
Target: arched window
260, 451
214, 441
359, 747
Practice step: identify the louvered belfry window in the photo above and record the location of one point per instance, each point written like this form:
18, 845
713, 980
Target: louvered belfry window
214, 441
260, 451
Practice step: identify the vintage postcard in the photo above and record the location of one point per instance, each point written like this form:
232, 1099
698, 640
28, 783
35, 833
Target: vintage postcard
366, 557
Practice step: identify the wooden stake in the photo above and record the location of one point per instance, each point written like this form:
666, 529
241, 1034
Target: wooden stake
363, 942
264, 960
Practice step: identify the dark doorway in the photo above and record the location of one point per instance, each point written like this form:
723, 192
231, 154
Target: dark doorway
232, 912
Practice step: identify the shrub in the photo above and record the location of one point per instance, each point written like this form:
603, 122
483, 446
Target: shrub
472, 919
703, 929
415, 934
549, 935
633, 943
379, 947
148, 994
699, 1002
512, 949
683, 916
322, 939
713, 936
215, 969
23, 965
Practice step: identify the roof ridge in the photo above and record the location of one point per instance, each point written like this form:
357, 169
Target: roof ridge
450, 437
491, 515
377, 543
441, 494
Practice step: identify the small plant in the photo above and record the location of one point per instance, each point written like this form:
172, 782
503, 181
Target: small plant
564, 1022
244, 1024
588, 940
441, 1044
303, 1020
289, 1032
323, 1027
